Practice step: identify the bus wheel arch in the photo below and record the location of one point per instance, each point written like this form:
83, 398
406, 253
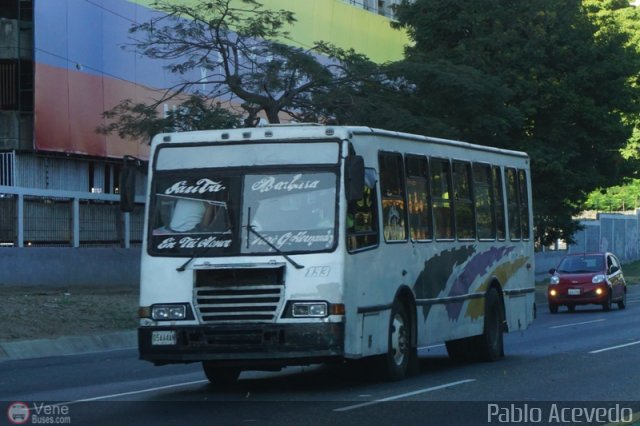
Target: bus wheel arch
488, 346
401, 357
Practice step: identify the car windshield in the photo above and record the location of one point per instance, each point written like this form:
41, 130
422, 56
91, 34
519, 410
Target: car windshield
581, 264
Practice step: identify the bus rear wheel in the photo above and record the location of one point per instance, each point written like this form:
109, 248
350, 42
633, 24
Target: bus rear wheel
396, 360
219, 375
490, 344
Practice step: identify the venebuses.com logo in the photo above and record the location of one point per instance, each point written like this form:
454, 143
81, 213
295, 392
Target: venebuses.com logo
19, 413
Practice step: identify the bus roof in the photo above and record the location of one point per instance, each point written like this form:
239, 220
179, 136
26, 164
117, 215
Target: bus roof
312, 131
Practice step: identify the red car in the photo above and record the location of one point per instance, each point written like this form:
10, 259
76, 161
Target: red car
587, 278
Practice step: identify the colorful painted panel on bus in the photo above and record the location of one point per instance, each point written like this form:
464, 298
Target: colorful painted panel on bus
452, 272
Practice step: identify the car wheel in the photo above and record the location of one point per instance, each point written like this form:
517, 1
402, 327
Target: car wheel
396, 360
219, 375
571, 308
606, 306
553, 308
622, 303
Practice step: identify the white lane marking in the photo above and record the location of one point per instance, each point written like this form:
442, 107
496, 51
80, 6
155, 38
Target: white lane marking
578, 323
404, 395
115, 395
615, 347
431, 346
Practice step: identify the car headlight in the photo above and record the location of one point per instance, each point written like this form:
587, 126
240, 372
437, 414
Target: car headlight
168, 312
597, 279
554, 280
309, 309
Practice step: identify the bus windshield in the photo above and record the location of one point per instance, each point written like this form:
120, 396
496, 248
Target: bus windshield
193, 214
294, 212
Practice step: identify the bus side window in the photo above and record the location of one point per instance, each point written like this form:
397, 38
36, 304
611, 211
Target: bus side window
498, 195
394, 212
513, 205
441, 192
463, 201
524, 204
484, 201
419, 198
362, 218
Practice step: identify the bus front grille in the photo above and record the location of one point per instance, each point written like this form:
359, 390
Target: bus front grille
235, 295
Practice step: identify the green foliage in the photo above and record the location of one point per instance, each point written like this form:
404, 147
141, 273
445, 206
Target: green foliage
540, 76
615, 198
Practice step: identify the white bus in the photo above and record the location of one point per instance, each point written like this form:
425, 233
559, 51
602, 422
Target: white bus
300, 244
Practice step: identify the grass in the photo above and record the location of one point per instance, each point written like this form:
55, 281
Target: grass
632, 272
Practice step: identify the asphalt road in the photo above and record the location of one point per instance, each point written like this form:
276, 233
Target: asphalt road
567, 368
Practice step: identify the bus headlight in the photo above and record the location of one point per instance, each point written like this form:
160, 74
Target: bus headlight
309, 309
168, 312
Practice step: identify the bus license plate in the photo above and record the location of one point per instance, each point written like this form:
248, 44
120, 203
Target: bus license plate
574, 292
164, 337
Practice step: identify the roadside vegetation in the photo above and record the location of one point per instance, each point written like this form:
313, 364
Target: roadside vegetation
632, 272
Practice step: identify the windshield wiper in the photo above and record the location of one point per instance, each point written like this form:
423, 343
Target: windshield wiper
194, 256
250, 228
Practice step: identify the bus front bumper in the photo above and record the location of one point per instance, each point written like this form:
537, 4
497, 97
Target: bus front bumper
282, 344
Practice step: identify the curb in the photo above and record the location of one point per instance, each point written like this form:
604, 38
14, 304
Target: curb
67, 345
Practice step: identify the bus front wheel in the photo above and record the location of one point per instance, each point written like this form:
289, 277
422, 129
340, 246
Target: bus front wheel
396, 360
219, 375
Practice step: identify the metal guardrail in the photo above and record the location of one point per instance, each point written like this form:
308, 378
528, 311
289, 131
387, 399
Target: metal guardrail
50, 218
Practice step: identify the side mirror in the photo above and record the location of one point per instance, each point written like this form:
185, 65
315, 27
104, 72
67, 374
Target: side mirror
552, 271
354, 178
128, 183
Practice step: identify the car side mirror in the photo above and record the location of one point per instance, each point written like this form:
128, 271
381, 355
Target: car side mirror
552, 271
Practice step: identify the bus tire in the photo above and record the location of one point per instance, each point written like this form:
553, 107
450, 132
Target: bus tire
490, 344
396, 360
220, 375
